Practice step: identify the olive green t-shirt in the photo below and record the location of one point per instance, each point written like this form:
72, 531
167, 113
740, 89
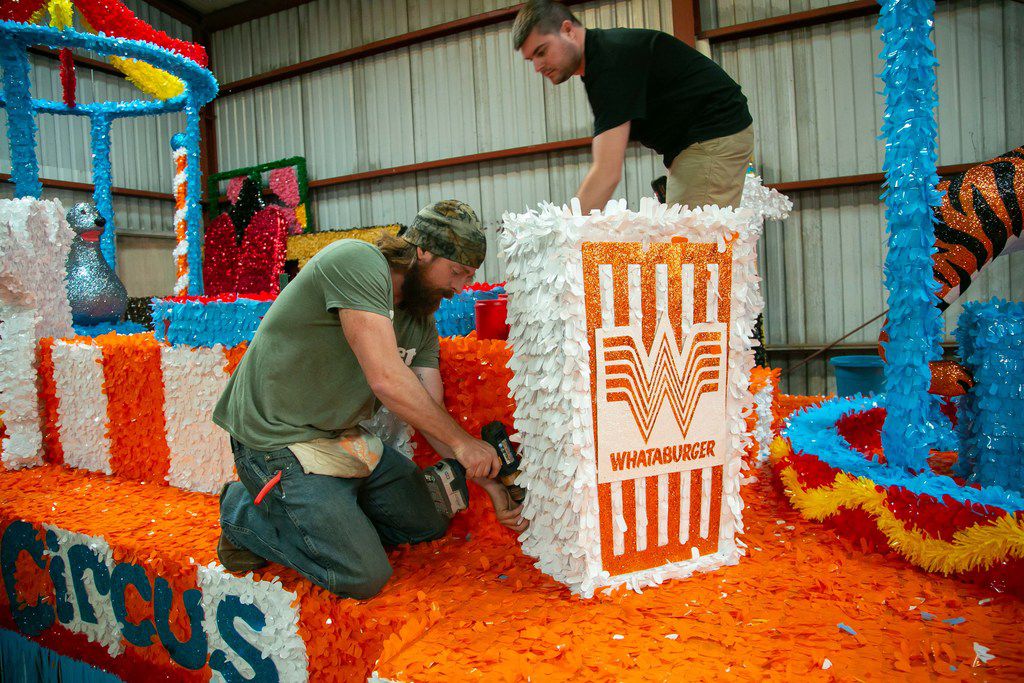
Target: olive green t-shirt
299, 380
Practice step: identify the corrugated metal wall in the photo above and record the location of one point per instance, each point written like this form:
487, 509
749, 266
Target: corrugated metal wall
463, 94
813, 94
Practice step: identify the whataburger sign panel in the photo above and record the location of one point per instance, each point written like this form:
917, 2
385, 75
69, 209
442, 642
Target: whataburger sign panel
661, 409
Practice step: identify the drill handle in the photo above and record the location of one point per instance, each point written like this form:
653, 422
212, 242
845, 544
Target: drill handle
495, 434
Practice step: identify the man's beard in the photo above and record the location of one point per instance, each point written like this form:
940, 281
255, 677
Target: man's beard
562, 75
419, 300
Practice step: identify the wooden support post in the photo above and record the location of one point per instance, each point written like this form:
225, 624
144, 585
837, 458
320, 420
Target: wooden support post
208, 160
686, 20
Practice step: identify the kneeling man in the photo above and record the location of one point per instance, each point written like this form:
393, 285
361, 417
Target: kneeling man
353, 330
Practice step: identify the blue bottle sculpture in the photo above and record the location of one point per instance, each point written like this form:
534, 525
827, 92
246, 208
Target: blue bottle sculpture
95, 292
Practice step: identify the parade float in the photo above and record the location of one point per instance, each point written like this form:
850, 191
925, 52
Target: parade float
627, 373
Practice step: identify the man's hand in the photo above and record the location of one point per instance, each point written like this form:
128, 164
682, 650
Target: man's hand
508, 516
478, 457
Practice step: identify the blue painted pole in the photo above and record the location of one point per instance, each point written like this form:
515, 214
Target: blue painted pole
102, 181
21, 124
193, 211
915, 323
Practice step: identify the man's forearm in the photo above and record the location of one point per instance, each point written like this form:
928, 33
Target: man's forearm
597, 188
431, 381
403, 394
442, 449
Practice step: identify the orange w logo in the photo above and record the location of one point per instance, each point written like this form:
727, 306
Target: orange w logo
645, 380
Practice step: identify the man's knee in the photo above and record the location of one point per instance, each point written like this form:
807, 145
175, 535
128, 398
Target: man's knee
362, 581
437, 526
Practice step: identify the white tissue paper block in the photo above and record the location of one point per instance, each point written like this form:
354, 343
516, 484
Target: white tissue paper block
82, 411
631, 338
200, 452
34, 243
276, 638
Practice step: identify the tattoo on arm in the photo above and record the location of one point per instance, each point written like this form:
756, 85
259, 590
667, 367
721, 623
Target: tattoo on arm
432, 382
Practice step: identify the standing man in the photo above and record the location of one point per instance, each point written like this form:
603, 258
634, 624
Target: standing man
647, 86
354, 329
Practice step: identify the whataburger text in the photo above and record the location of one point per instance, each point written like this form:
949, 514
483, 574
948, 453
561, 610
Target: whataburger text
684, 452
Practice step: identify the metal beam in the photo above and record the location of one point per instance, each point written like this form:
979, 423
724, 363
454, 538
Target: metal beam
89, 187
208, 157
805, 349
178, 10
853, 180
581, 143
513, 153
375, 48
686, 20
788, 22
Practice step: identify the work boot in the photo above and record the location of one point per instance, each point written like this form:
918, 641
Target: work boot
236, 560
446, 482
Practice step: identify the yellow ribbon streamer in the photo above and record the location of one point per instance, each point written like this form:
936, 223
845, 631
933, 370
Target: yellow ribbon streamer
62, 13
148, 78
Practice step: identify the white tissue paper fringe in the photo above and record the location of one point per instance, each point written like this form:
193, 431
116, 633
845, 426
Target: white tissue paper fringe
551, 370
763, 400
34, 244
278, 640
200, 457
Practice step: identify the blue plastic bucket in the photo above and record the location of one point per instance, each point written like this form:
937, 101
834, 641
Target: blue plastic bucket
859, 374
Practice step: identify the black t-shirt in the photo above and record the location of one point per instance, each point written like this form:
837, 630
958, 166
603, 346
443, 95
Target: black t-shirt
674, 95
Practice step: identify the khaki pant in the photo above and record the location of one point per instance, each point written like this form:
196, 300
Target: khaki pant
711, 172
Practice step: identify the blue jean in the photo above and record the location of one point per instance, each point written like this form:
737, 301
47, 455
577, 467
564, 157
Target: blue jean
331, 530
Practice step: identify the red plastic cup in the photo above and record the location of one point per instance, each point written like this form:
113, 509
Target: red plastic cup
491, 318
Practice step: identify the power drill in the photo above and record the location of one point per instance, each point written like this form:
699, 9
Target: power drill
446, 480
495, 434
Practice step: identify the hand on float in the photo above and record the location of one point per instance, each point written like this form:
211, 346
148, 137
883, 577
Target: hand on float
478, 457
508, 516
